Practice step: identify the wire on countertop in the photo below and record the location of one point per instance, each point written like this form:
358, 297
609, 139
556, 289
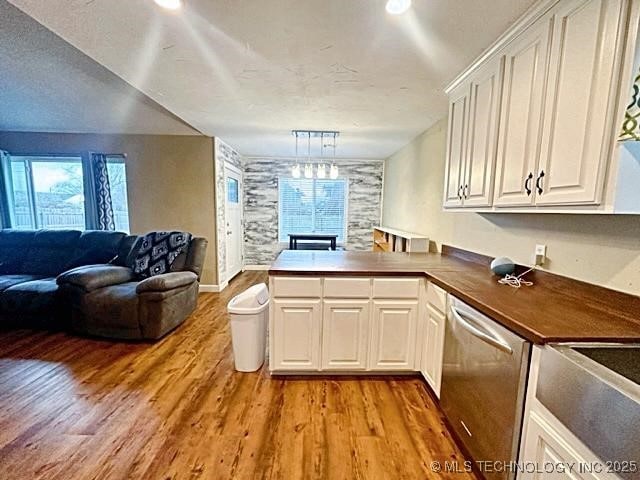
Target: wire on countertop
516, 281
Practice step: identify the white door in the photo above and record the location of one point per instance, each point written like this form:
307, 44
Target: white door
393, 334
580, 99
456, 145
345, 334
233, 216
520, 127
296, 334
433, 348
484, 105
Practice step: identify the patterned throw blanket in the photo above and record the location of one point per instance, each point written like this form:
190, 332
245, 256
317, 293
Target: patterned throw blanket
157, 251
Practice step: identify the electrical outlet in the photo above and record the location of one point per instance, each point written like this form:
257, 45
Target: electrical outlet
540, 254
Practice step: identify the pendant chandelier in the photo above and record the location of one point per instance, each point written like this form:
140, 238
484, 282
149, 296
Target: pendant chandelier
309, 169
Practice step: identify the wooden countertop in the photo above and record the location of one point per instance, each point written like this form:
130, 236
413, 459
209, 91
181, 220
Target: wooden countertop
554, 309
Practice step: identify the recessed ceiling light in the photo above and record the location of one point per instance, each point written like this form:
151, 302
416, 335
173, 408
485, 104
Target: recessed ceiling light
169, 4
397, 7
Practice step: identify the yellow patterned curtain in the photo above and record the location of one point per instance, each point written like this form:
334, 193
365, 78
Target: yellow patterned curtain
631, 124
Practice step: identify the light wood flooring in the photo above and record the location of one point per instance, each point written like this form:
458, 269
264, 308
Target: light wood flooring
77, 408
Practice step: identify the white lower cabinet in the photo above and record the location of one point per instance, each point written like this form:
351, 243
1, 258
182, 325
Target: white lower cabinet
433, 347
356, 324
393, 334
295, 334
345, 334
546, 449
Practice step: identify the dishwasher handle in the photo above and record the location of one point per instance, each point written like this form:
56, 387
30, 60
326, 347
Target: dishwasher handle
491, 338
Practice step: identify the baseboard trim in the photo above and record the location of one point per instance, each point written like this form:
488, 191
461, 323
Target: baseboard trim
212, 288
256, 267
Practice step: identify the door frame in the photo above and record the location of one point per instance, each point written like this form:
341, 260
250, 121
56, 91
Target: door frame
238, 172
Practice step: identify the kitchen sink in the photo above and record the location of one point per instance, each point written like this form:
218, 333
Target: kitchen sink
594, 390
623, 360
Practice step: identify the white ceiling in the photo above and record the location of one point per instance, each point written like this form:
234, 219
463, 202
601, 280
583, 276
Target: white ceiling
249, 71
48, 85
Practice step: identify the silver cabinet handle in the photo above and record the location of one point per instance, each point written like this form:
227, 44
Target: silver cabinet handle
494, 341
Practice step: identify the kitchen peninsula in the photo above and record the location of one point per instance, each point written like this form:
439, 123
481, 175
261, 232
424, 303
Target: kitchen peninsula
371, 295
554, 309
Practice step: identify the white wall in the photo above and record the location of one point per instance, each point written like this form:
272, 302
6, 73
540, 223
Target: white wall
602, 249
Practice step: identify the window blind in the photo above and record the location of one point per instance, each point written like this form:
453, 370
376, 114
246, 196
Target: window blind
309, 205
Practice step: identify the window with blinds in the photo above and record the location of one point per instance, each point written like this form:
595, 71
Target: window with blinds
311, 205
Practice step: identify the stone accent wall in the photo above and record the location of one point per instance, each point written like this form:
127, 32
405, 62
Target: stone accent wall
261, 244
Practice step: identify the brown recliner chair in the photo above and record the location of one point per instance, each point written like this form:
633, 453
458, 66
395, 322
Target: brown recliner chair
107, 301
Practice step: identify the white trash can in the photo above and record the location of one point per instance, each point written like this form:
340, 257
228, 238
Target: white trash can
249, 313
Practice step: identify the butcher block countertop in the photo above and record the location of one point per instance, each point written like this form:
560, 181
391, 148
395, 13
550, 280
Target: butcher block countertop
554, 309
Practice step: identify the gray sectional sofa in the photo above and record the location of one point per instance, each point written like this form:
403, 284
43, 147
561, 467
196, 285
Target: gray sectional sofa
80, 280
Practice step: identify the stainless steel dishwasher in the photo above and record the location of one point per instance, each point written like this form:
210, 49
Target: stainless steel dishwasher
483, 385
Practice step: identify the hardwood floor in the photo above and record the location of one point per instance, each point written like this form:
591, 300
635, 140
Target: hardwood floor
77, 408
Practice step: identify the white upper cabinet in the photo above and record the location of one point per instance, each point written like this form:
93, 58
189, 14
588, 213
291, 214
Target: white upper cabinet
521, 115
580, 102
471, 143
456, 145
559, 81
482, 127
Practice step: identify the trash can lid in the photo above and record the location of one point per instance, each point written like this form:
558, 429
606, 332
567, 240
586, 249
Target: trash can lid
253, 297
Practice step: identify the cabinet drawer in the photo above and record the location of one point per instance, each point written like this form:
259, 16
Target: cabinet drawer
396, 287
347, 287
437, 297
297, 287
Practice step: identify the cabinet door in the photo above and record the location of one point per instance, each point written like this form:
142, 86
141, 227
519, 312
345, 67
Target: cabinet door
544, 446
433, 347
345, 334
393, 336
484, 105
525, 70
580, 100
296, 334
456, 145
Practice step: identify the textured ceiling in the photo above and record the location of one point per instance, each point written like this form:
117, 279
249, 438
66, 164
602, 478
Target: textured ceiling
47, 85
250, 71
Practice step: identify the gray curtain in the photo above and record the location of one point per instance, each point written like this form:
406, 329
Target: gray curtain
98, 205
5, 200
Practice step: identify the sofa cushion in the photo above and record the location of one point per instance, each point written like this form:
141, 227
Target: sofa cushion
33, 297
92, 277
13, 246
7, 281
166, 282
95, 247
50, 252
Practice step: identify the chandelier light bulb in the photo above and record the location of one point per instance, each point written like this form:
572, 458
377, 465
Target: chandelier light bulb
169, 4
308, 171
295, 171
334, 171
322, 171
398, 7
